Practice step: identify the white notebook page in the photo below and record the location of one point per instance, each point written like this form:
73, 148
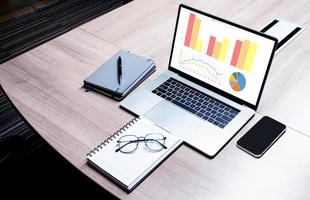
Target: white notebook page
129, 168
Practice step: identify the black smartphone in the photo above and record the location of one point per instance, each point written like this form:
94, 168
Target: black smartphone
261, 136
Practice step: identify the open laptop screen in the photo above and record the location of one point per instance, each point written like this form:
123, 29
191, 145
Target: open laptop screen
230, 58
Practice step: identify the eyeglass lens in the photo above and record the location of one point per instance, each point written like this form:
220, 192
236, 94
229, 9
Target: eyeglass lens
127, 143
154, 141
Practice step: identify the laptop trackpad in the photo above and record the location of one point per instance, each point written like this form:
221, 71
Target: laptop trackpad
178, 121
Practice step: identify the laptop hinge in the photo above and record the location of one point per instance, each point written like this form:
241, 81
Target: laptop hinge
247, 106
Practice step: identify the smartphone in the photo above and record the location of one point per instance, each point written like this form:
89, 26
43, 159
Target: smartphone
261, 136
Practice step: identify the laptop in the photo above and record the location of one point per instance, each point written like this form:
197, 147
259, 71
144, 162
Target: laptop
216, 75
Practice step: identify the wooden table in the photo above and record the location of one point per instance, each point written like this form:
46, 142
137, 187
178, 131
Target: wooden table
46, 86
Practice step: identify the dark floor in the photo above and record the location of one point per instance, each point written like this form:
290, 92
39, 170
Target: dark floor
41, 21
10, 9
29, 167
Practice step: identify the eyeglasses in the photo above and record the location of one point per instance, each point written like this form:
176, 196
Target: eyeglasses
154, 142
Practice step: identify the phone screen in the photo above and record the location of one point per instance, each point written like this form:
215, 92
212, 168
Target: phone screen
261, 136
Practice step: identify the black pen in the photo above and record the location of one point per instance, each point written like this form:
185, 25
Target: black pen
119, 69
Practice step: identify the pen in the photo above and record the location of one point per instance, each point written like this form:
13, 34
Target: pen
119, 69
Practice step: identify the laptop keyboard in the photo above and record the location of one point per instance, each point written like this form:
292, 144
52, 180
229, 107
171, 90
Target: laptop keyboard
196, 102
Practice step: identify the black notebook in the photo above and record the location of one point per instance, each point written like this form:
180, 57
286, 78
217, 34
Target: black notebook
135, 69
128, 169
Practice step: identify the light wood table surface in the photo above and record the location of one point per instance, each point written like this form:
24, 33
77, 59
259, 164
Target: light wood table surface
46, 86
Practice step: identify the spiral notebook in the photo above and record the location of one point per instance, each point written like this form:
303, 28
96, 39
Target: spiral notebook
127, 170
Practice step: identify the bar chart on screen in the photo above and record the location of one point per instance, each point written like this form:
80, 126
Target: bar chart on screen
226, 49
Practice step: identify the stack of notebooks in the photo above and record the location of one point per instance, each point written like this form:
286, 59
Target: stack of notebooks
135, 69
127, 170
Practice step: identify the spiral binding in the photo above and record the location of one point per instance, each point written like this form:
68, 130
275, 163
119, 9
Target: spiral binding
113, 136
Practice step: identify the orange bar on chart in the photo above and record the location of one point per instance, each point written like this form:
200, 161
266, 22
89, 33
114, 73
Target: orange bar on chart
211, 45
189, 31
195, 33
243, 54
217, 49
236, 53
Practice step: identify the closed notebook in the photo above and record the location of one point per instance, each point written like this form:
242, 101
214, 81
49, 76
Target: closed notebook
135, 69
127, 170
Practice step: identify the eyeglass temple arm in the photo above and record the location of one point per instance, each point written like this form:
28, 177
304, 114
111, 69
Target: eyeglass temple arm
128, 142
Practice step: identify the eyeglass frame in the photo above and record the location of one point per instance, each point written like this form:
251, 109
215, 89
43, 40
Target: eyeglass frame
141, 139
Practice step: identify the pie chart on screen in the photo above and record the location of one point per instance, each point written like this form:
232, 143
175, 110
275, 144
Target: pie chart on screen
237, 81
